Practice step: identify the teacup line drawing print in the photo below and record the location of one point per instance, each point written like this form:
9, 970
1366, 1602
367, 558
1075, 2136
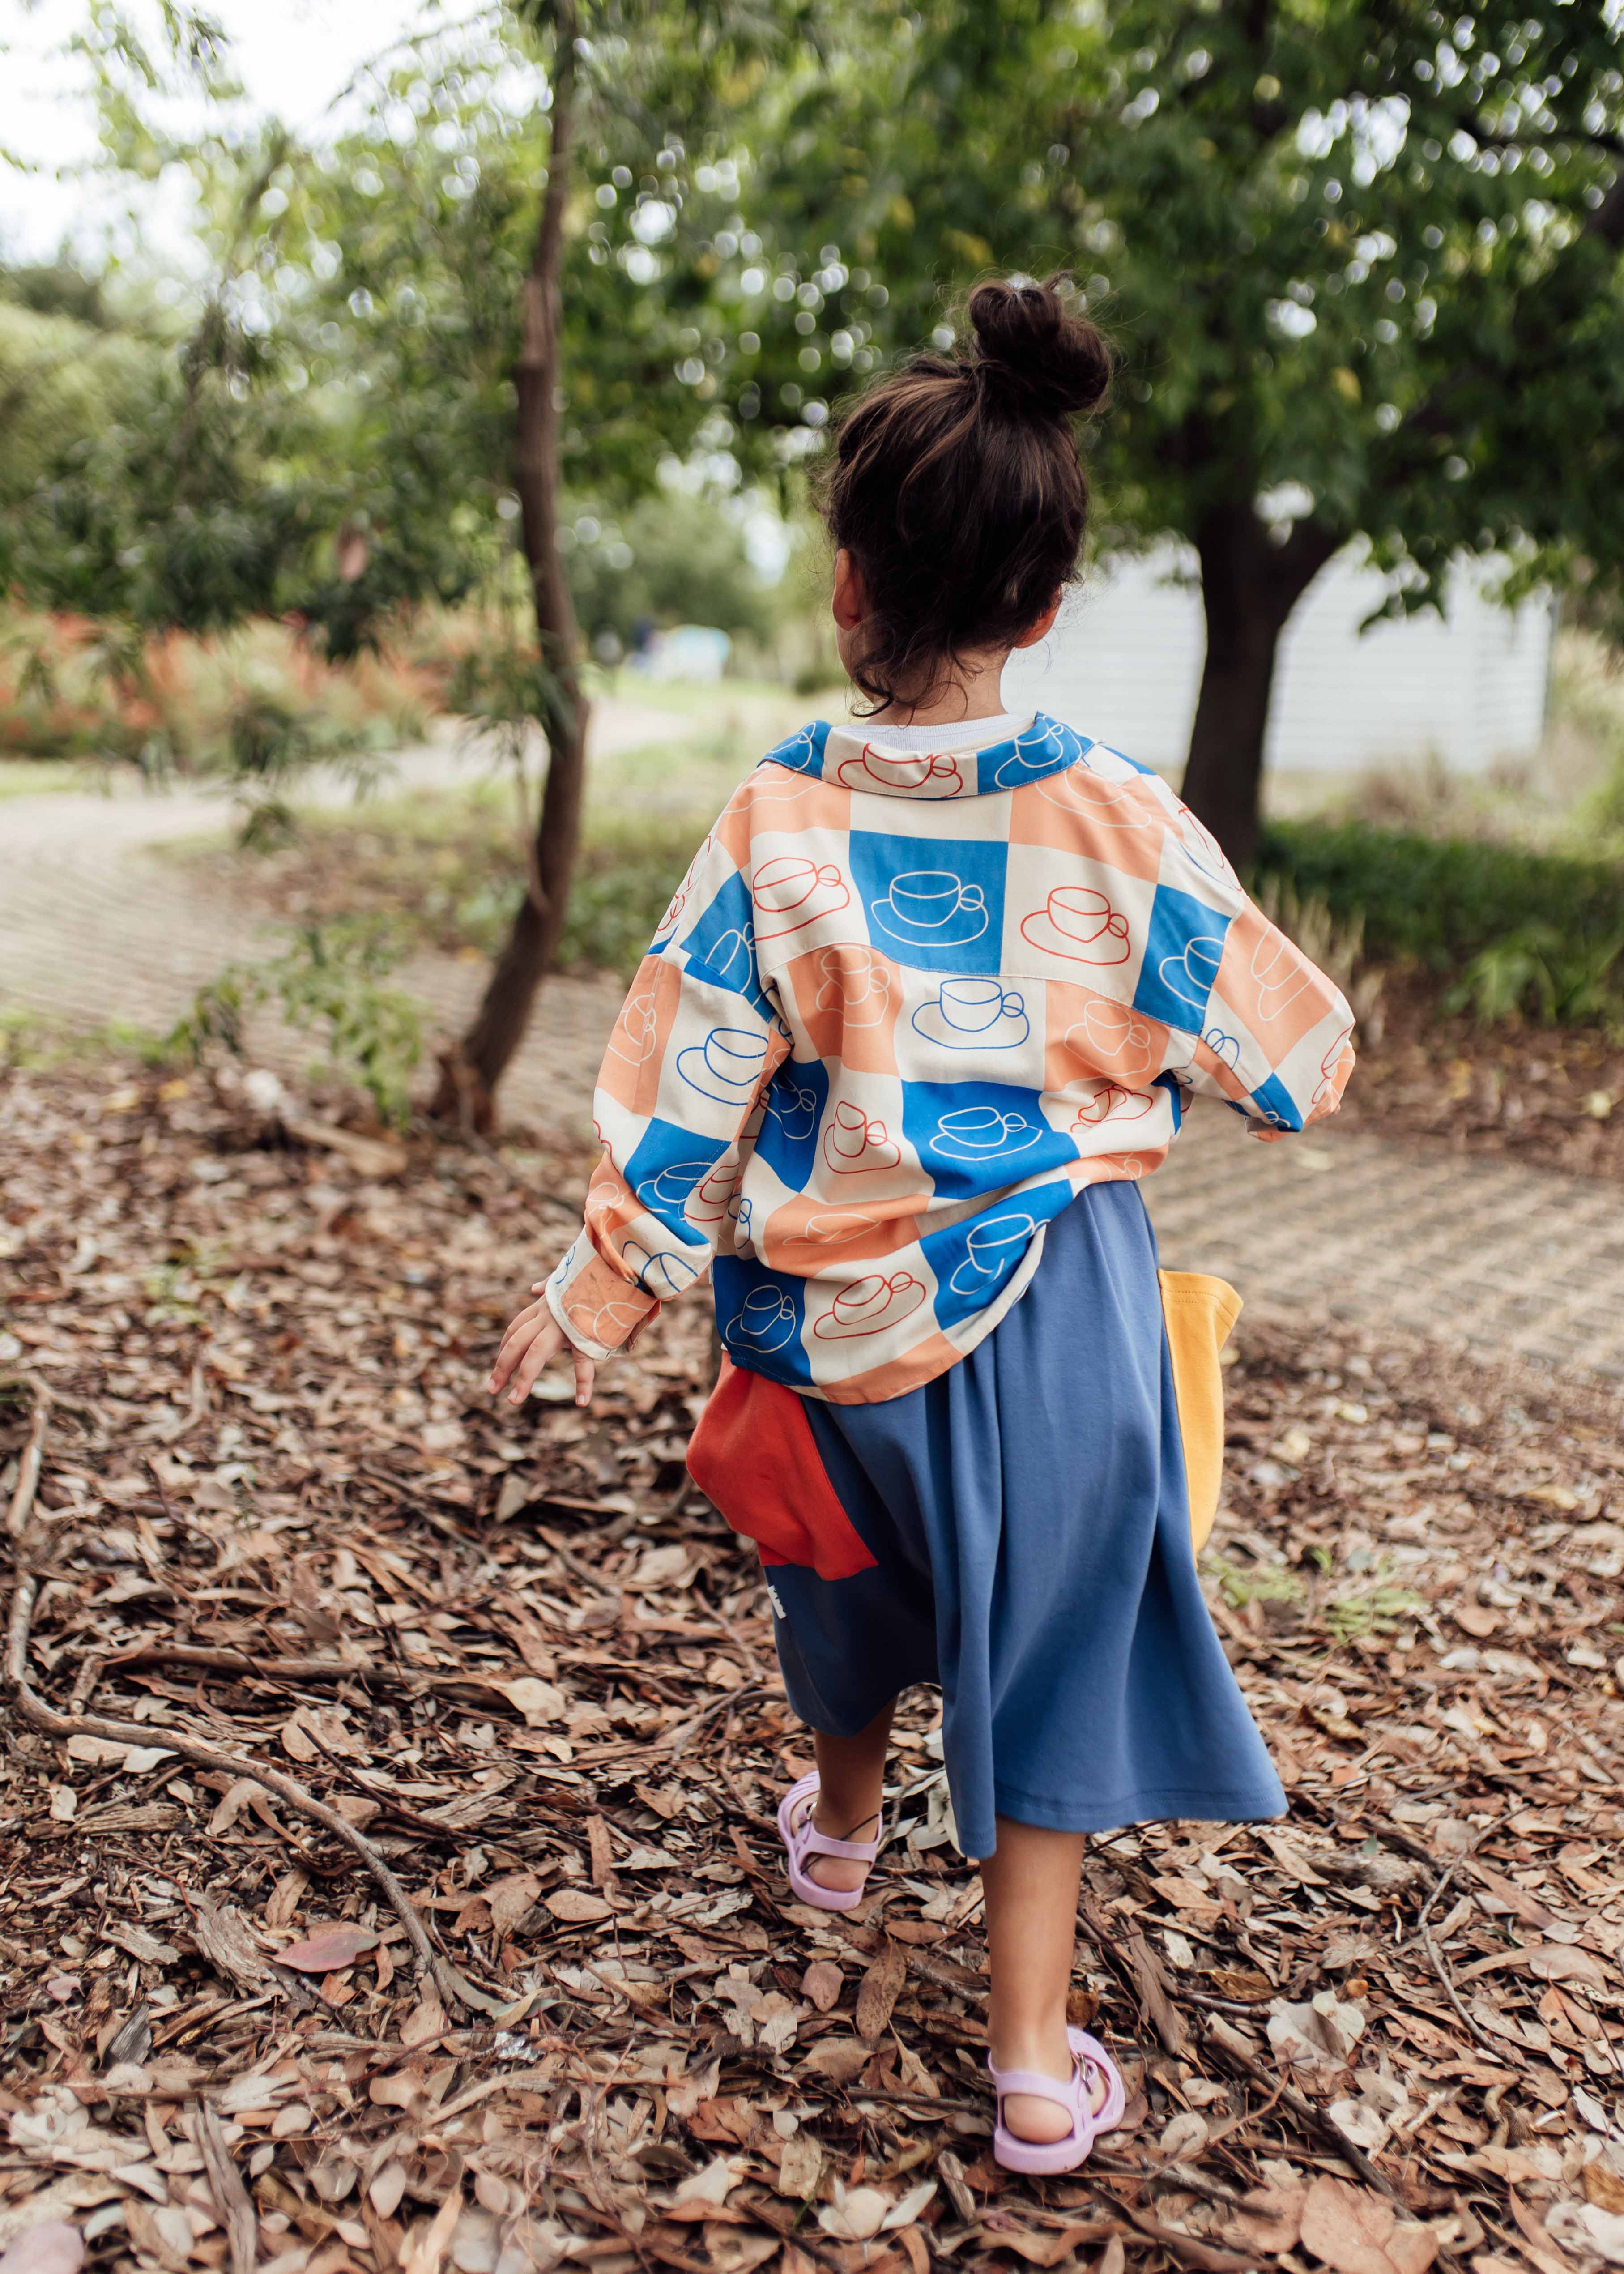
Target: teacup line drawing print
911, 771
994, 1246
855, 1142
664, 1276
1110, 1102
1202, 847
870, 1304
699, 1190
1110, 1033
1079, 923
856, 982
765, 1320
1192, 976
1272, 954
1108, 804
732, 957
636, 1030
1226, 1047
833, 1227
792, 891
974, 1014
792, 1107
1034, 751
931, 908
611, 1323
726, 1066
982, 1132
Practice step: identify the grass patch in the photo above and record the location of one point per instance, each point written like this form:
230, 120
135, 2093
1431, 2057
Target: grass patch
38, 1043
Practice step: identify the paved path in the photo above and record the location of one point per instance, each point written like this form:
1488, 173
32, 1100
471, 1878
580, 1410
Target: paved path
1498, 1258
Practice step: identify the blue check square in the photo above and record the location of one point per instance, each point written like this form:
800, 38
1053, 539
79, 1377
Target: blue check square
1183, 947
933, 903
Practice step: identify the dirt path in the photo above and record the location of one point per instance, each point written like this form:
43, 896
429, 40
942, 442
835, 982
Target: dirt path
1496, 1257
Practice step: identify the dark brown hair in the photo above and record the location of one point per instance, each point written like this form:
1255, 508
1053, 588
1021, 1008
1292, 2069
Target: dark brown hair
958, 487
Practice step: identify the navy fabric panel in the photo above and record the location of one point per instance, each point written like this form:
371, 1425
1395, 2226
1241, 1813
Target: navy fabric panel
1028, 1517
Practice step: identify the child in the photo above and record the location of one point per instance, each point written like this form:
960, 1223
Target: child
930, 1000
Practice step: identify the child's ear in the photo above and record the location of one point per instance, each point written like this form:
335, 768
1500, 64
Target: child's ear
1044, 625
849, 603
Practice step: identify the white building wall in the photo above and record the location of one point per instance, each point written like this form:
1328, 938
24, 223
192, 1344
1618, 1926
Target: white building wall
1123, 663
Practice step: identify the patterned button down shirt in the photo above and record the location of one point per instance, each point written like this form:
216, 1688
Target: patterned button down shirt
903, 1008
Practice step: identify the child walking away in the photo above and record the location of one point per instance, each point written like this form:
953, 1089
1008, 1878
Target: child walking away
934, 996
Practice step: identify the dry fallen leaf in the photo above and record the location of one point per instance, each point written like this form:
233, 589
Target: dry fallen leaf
325, 1953
53, 2247
878, 1990
821, 1984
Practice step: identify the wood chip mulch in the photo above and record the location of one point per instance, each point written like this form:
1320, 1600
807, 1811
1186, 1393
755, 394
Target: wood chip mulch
262, 1514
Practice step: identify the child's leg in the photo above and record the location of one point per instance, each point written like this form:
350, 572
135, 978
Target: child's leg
1031, 1885
851, 1774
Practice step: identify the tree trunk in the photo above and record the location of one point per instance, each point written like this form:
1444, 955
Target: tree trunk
1249, 587
471, 1068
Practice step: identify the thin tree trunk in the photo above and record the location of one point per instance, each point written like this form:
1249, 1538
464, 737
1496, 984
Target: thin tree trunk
1249, 587
470, 1070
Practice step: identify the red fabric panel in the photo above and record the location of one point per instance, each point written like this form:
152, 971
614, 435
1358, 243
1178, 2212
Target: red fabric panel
755, 1456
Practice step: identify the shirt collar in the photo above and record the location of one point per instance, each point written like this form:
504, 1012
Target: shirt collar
857, 761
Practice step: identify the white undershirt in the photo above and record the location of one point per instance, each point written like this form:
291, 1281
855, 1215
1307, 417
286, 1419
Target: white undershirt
949, 735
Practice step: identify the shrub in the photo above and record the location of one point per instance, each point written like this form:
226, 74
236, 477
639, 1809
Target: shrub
328, 979
1442, 901
1522, 931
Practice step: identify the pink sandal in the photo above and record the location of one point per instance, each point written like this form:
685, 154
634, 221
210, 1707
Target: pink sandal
1037, 2156
803, 1838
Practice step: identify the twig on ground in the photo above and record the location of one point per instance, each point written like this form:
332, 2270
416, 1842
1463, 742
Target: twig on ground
28, 1471
1440, 1967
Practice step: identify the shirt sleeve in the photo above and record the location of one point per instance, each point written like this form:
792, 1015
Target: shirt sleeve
1274, 1036
696, 1044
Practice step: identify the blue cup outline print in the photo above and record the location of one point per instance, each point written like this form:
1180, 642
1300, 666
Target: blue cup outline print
974, 1014
932, 907
994, 1246
719, 1069
765, 1320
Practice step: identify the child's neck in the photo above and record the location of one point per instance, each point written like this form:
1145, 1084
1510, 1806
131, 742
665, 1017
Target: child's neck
976, 692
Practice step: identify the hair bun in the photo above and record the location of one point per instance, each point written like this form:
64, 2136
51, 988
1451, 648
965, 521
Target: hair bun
1033, 358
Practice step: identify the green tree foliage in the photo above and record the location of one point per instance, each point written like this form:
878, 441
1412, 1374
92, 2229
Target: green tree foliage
1363, 264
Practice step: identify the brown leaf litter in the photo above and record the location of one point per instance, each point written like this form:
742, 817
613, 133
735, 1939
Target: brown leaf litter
267, 1519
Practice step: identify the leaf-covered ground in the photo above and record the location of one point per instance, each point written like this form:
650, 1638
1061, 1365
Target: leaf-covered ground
534, 1669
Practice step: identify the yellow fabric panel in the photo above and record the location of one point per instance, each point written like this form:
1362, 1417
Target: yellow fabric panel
1200, 1313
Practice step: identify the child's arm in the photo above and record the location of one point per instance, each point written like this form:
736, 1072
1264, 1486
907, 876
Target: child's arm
1274, 1039
696, 1044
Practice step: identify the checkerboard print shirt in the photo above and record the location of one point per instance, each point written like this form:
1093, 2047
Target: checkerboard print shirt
902, 1009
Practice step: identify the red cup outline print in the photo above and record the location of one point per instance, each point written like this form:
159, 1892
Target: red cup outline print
870, 1306
856, 1143
1078, 923
914, 773
792, 891
1112, 1102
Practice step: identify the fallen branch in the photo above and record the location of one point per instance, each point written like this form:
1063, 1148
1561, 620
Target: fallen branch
42, 1717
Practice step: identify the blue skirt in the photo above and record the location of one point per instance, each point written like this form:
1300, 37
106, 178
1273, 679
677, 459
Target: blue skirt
1025, 1527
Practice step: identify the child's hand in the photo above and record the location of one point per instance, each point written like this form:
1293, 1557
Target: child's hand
532, 1341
